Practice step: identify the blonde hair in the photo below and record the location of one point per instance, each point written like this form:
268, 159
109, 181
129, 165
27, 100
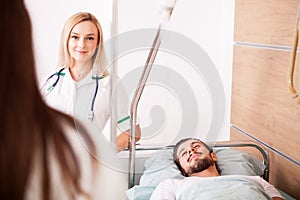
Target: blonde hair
64, 58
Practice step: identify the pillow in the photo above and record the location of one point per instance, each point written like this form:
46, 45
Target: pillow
158, 168
234, 162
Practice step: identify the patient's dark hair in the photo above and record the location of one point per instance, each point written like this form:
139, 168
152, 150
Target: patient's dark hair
176, 159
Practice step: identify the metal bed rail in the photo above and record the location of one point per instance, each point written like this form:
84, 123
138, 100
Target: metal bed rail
167, 7
263, 152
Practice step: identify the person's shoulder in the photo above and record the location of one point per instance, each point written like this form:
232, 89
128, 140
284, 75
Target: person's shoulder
107, 79
250, 178
57, 69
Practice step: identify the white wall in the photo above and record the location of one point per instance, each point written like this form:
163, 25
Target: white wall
210, 25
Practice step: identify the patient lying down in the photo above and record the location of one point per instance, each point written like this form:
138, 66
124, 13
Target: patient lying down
198, 163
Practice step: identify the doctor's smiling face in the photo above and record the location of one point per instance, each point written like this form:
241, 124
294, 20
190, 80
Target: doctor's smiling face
83, 41
81, 44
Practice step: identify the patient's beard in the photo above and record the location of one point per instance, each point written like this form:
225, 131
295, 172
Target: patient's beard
201, 165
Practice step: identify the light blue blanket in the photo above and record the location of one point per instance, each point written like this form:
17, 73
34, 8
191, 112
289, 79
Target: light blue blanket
223, 189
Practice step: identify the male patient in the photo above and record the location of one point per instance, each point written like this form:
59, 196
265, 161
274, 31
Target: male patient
198, 163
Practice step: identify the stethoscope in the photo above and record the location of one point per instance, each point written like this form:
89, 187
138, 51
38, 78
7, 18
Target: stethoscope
60, 73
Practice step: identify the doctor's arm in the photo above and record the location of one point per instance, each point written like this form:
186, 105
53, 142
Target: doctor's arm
124, 138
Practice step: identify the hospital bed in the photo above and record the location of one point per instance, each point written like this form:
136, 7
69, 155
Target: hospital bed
155, 164
148, 166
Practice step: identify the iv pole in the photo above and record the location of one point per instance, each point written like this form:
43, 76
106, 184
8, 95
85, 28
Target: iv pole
167, 9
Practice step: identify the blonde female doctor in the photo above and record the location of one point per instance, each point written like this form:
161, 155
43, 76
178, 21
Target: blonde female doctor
81, 86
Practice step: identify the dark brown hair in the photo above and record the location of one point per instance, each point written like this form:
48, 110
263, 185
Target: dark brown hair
29, 130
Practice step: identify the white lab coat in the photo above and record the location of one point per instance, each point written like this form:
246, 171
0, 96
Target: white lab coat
75, 99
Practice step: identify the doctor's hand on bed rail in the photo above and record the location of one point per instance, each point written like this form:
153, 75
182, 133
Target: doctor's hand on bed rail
123, 140
198, 163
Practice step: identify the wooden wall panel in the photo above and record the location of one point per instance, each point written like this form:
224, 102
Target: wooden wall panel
262, 105
265, 21
261, 102
288, 180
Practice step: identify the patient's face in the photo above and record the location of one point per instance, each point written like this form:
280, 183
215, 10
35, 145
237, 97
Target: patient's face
194, 157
